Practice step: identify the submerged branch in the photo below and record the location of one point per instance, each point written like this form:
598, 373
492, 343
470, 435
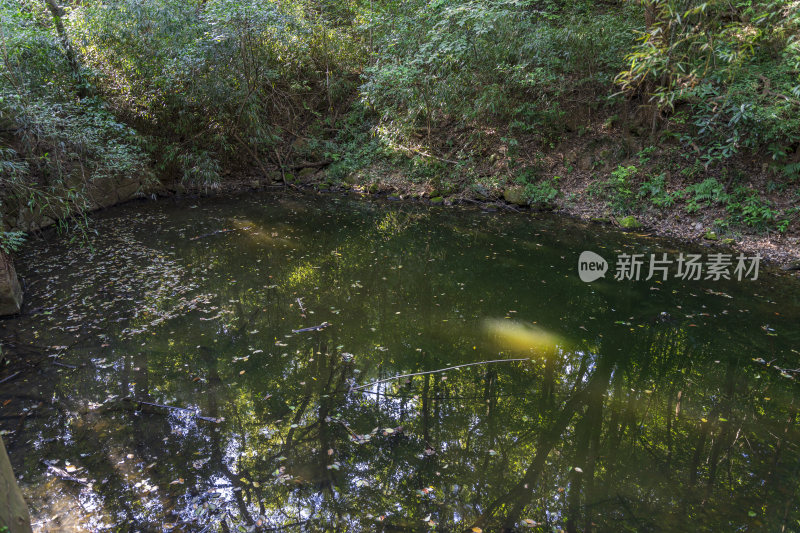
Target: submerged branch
9, 378
434, 372
183, 409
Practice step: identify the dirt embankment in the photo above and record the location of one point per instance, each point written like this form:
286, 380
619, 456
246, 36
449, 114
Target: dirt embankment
581, 176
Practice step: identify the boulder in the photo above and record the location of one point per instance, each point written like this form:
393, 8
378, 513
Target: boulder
32, 220
515, 195
306, 172
351, 178
585, 162
793, 265
630, 222
10, 290
127, 188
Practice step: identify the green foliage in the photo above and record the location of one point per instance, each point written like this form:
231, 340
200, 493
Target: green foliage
354, 148
54, 142
645, 154
618, 188
787, 217
444, 89
733, 66
485, 63
11, 241
748, 208
216, 79
655, 189
543, 193
703, 194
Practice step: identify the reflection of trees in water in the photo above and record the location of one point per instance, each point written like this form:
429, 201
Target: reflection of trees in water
639, 431
652, 458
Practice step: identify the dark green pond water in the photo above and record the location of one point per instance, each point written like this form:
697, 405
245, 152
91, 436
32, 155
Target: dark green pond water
638, 406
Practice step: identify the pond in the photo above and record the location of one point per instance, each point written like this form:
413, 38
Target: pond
167, 387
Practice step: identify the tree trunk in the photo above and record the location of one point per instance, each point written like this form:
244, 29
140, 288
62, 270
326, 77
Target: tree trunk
57, 12
13, 510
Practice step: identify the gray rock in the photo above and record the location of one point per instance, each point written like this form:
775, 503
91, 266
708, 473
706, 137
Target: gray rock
307, 172
794, 265
10, 290
515, 195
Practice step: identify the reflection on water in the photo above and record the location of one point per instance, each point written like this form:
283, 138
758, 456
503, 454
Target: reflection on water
515, 336
164, 389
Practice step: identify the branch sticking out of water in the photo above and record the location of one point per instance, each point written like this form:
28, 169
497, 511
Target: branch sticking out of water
434, 372
182, 409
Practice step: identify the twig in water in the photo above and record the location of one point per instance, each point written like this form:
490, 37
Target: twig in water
58, 472
312, 328
9, 378
184, 409
217, 232
435, 371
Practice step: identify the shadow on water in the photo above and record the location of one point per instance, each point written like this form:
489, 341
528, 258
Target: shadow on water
163, 386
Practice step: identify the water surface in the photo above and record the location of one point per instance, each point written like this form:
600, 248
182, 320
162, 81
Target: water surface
639, 406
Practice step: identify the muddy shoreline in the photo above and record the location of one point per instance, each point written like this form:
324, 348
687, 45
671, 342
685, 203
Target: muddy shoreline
779, 251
